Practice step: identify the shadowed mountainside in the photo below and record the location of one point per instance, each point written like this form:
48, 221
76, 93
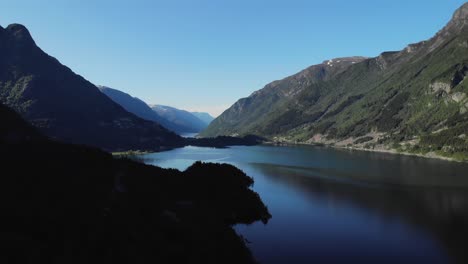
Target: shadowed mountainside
142, 110
179, 117
205, 117
65, 106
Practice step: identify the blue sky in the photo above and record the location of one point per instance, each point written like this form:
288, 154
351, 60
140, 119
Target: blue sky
204, 55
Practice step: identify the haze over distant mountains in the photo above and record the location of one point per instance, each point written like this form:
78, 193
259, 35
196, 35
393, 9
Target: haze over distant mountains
205, 117
183, 118
414, 100
176, 120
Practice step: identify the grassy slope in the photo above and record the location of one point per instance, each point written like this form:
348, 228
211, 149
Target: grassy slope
384, 102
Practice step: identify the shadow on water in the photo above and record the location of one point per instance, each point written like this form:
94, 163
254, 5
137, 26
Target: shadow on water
439, 211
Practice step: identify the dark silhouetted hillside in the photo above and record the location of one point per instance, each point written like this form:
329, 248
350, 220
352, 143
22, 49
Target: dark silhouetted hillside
65, 203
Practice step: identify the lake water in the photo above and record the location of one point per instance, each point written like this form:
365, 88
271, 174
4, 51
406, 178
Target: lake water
337, 206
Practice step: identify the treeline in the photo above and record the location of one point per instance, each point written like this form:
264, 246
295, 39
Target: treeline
225, 141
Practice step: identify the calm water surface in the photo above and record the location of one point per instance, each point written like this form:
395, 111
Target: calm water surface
333, 206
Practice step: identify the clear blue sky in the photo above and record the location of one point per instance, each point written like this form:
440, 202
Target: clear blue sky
204, 55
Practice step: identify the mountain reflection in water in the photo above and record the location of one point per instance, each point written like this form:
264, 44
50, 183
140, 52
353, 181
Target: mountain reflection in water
332, 206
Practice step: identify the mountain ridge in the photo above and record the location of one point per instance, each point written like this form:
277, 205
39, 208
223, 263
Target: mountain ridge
64, 105
376, 103
203, 116
142, 109
183, 118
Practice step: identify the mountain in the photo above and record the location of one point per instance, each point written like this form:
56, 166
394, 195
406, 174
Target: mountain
242, 117
205, 117
64, 203
141, 109
182, 118
65, 106
413, 100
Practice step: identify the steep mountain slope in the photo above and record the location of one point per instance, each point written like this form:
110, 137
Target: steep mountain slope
413, 100
205, 117
242, 117
64, 105
141, 109
182, 118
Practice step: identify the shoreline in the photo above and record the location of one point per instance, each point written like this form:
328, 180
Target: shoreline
218, 142
430, 155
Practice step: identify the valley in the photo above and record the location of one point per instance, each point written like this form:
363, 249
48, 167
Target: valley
357, 159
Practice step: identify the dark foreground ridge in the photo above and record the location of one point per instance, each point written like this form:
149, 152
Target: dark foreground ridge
66, 203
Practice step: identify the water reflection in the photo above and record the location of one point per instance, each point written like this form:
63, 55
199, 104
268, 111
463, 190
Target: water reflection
332, 206
441, 212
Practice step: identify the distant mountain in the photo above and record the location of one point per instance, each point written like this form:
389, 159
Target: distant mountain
141, 109
131, 104
65, 106
414, 100
180, 117
205, 117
